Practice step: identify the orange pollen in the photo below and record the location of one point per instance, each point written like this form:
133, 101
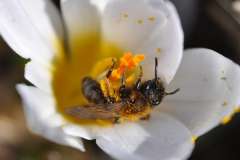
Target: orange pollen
127, 61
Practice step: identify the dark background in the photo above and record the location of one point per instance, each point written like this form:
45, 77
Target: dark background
207, 23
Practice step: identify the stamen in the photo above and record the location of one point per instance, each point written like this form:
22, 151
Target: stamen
138, 58
104, 87
107, 88
130, 79
127, 62
116, 74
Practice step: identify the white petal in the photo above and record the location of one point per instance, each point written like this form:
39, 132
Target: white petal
42, 118
162, 137
39, 102
152, 27
38, 75
169, 39
159, 137
94, 131
101, 4
30, 27
209, 90
81, 17
86, 132
121, 26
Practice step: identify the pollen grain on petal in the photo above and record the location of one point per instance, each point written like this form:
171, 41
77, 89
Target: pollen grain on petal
237, 109
194, 139
224, 78
140, 21
225, 103
125, 15
151, 18
158, 50
227, 119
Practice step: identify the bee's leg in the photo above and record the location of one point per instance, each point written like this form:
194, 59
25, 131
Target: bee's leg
123, 79
109, 95
111, 68
156, 67
109, 98
138, 82
116, 120
173, 92
122, 87
124, 91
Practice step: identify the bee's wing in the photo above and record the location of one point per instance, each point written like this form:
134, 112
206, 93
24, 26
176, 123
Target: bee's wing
93, 112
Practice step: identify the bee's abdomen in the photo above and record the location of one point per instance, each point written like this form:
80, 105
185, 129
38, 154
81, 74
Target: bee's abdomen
91, 89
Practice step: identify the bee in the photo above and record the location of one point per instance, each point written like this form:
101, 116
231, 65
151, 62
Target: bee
132, 100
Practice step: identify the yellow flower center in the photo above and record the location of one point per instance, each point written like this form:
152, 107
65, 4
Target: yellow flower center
93, 57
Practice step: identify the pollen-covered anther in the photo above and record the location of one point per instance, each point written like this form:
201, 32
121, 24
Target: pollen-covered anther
130, 79
127, 62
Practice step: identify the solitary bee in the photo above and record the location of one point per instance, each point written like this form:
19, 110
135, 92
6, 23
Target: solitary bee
132, 100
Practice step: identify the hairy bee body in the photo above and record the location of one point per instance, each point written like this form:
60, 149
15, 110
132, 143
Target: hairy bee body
92, 91
132, 100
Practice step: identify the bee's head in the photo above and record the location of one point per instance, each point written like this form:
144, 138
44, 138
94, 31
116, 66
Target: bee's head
153, 91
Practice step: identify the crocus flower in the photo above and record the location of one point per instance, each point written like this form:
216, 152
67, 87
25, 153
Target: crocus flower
82, 40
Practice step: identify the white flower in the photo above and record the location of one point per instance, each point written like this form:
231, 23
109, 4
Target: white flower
209, 82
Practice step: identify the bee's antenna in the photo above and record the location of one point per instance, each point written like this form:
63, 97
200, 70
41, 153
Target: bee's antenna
123, 80
111, 68
156, 66
171, 93
141, 72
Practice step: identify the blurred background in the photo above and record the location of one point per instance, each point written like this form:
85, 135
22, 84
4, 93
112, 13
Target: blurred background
212, 24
